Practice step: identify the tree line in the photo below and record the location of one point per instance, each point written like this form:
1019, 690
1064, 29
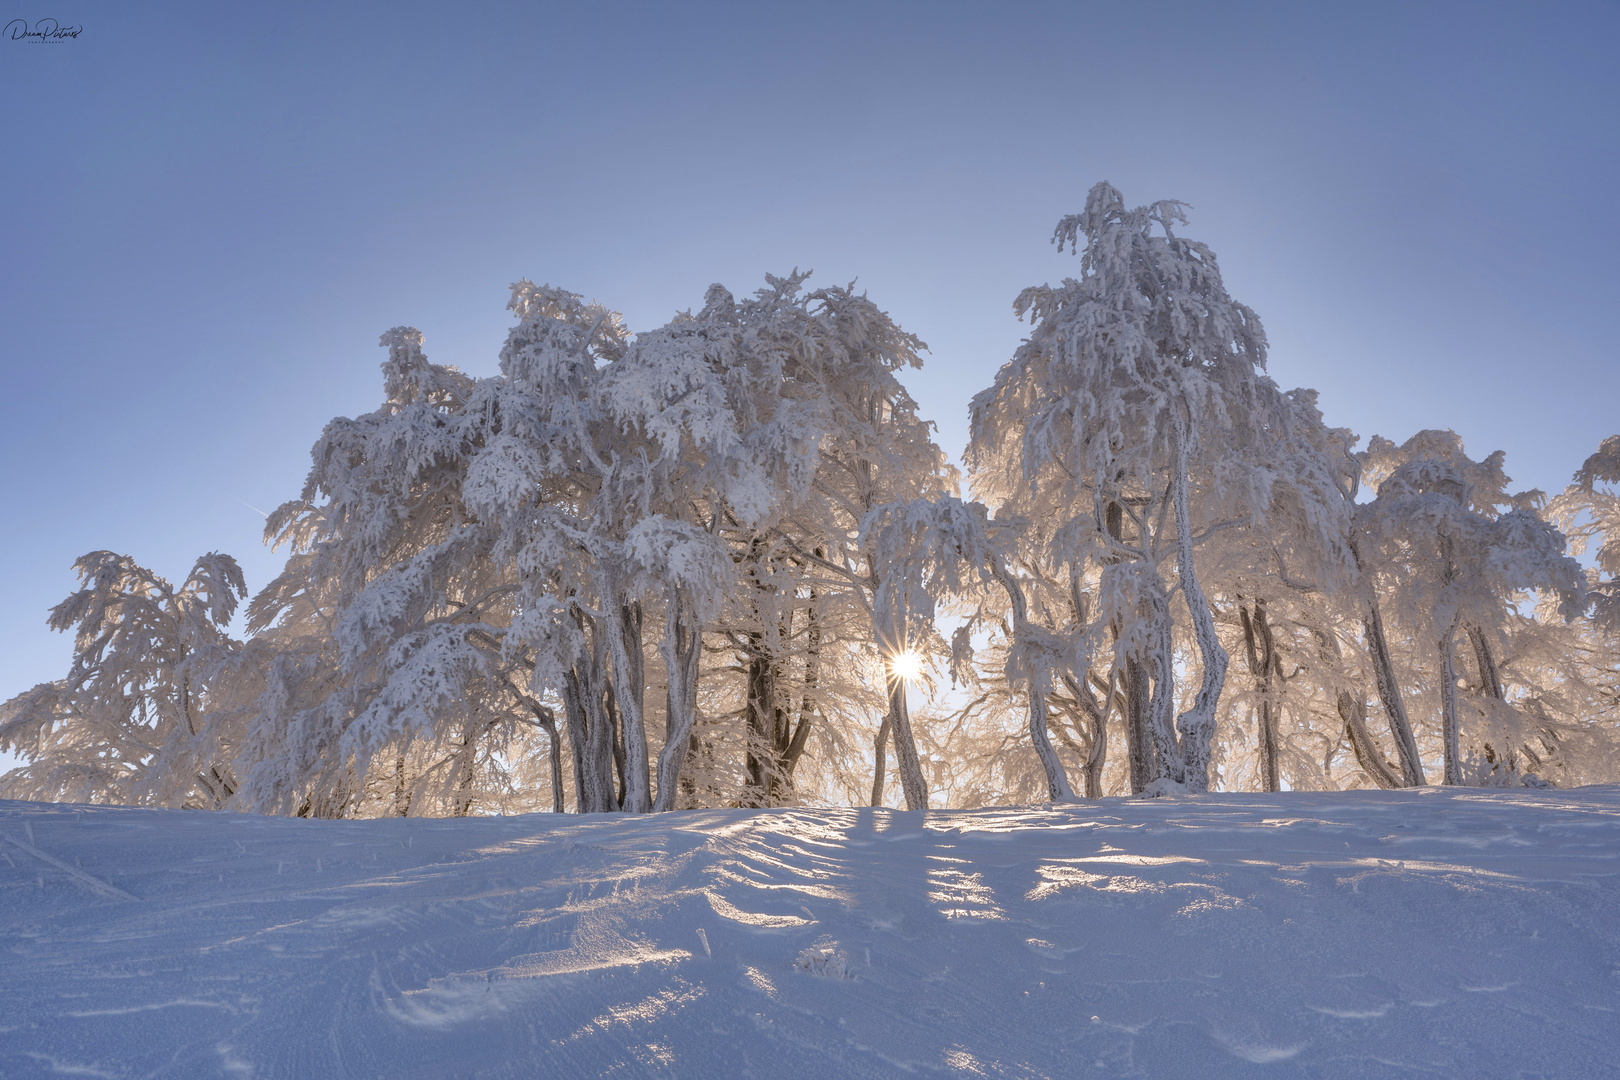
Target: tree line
717, 564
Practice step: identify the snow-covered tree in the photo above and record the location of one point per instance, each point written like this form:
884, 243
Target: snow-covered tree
389, 623
607, 467
135, 719
476, 556
1589, 513
843, 355
931, 549
709, 564
1281, 585
1450, 552
1138, 400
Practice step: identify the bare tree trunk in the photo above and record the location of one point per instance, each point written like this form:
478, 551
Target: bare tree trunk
1167, 761
760, 708
1450, 735
1092, 770
1269, 773
1057, 782
615, 725
603, 724
682, 650
795, 747
1490, 680
1138, 737
1197, 725
1389, 694
1261, 649
547, 720
812, 679
1149, 706
775, 741
1353, 711
770, 734
462, 805
698, 751
779, 780
1389, 688
1096, 752
905, 748
554, 752
880, 764
590, 735
402, 792
629, 682
579, 743
897, 723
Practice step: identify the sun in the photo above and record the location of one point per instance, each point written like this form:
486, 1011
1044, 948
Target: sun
906, 665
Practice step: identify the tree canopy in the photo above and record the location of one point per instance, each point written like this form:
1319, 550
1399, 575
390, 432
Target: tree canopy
722, 562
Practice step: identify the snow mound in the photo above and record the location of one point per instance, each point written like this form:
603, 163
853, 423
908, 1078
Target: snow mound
1363, 934
824, 960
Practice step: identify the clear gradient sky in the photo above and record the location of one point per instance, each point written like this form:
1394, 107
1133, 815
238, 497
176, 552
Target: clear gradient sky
211, 212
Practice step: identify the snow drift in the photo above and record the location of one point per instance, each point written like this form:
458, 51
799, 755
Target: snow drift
1366, 934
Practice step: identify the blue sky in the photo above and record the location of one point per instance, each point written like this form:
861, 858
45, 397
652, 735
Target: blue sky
211, 212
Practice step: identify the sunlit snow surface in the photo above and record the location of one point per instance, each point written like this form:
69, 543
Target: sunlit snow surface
1428, 933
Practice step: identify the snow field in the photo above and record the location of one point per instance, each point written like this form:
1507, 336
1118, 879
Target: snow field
1364, 934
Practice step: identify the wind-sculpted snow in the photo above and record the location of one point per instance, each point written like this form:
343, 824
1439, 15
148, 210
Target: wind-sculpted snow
1363, 934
